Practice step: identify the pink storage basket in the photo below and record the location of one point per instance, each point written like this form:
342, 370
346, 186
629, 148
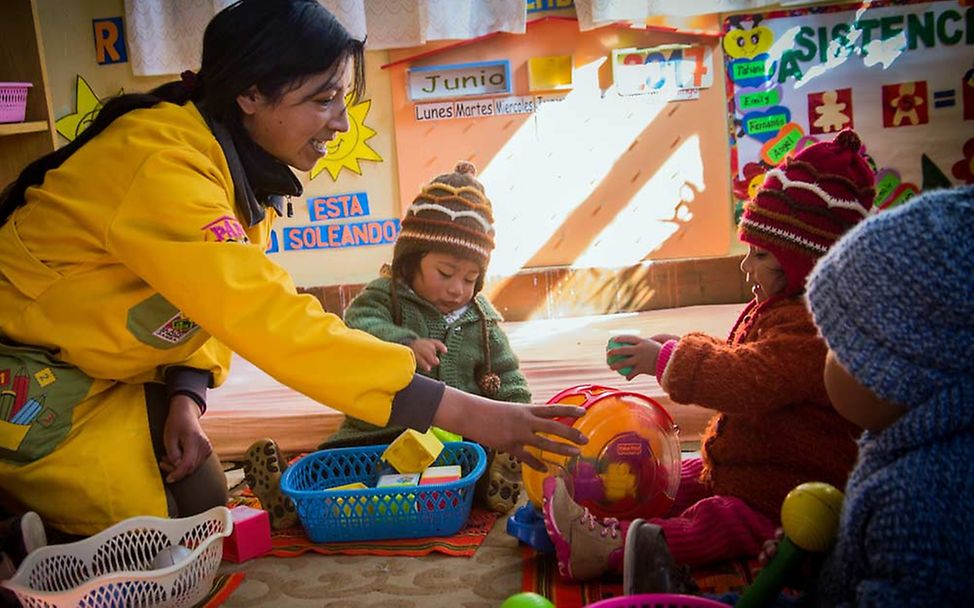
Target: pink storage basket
658, 600
13, 101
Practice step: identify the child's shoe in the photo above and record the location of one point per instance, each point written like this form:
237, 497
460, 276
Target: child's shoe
586, 547
32, 533
503, 482
263, 468
649, 567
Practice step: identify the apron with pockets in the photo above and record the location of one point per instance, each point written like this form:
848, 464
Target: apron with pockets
74, 449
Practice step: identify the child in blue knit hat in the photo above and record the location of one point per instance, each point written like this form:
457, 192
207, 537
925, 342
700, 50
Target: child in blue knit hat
894, 300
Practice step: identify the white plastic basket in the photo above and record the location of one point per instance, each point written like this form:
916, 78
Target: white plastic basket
114, 567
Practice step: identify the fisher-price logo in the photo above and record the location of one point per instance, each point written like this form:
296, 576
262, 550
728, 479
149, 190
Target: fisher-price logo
225, 228
629, 449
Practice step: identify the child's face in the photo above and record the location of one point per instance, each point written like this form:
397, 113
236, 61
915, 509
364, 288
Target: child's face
445, 281
764, 272
296, 128
855, 402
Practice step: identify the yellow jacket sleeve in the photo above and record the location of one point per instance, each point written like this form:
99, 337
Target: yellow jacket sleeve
177, 231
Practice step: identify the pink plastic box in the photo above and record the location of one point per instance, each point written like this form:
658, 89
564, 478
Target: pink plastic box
251, 535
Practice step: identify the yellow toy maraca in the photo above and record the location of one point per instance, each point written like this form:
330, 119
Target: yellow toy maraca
810, 517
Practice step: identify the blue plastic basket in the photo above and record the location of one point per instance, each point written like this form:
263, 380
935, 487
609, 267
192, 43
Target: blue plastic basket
379, 513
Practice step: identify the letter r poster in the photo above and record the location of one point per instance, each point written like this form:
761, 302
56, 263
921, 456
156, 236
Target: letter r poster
901, 73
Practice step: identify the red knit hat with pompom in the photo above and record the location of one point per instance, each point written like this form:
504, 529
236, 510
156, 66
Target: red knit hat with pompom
807, 203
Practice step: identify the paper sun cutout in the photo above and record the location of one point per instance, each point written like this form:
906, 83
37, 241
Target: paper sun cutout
86, 107
348, 148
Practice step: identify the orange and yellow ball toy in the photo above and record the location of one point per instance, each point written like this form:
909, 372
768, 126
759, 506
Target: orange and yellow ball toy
630, 466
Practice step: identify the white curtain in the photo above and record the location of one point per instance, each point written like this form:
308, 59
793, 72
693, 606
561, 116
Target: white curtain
405, 23
596, 13
165, 36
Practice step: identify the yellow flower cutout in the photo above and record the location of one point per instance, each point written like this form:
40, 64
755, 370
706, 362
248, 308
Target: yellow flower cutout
85, 109
348, 148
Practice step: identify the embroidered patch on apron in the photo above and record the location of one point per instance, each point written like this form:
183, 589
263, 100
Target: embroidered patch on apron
156, 322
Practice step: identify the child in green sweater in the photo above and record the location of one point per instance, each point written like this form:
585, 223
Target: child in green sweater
430, 300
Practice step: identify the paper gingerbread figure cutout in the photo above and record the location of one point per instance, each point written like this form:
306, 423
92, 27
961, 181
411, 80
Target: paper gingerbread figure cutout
831, 115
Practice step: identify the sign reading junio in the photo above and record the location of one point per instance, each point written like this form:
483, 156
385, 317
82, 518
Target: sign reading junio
460, 80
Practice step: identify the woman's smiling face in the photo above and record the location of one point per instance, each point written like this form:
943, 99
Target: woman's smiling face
297, 127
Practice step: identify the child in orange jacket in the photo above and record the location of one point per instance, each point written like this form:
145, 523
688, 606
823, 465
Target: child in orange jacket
775, 426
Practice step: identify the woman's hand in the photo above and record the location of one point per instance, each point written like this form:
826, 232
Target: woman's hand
640, 355
509, 427
187, 446
427, 352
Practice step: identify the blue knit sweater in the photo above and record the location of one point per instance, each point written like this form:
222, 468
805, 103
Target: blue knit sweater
907, 530
894, 299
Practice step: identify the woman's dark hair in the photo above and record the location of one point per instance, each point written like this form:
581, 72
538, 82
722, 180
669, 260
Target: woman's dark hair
271, 44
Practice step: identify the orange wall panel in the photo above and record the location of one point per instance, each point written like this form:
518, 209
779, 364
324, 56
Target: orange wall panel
593, 180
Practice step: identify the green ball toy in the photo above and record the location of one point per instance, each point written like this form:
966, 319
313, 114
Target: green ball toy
625, 371
810, 516
527, 600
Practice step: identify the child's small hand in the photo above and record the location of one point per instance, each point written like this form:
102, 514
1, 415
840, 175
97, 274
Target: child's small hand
640, 356
427, 352
770, 547
664, 338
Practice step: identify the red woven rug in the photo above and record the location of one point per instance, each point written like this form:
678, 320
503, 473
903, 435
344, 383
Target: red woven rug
293, 542
540, 575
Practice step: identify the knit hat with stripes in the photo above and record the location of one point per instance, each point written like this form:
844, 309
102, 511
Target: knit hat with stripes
451, 215
807, 203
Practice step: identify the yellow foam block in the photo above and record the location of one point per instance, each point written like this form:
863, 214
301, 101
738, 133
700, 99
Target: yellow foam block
358, 485
413, 451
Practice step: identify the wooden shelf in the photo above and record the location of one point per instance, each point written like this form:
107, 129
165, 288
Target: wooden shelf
22, 60
14, 128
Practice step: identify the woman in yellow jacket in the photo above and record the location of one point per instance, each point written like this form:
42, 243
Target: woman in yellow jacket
133, 259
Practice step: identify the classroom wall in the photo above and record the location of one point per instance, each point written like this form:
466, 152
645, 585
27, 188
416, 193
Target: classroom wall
595, 179
69, 51
66, 28
67, 31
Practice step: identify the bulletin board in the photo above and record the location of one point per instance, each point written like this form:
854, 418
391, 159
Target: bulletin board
900, 73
